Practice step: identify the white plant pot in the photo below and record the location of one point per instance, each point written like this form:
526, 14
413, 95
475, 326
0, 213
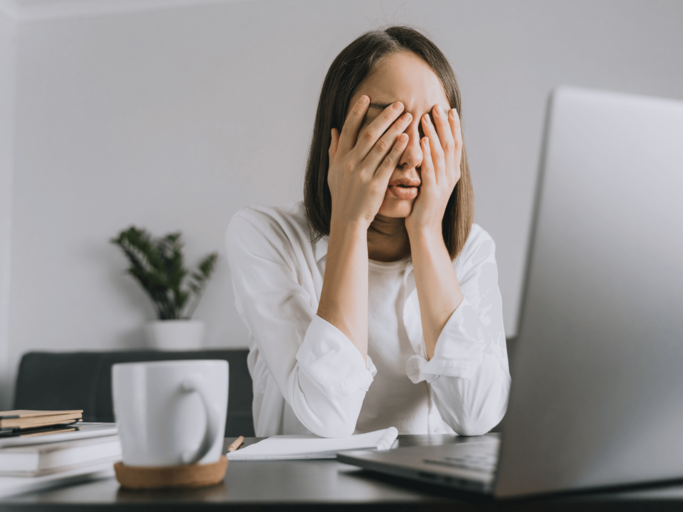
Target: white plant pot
175, 334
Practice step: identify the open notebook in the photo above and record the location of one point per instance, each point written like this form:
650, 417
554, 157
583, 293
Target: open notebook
313, 447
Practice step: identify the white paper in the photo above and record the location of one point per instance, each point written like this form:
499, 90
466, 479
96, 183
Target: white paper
313, 447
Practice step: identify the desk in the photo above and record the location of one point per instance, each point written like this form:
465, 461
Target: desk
327, 484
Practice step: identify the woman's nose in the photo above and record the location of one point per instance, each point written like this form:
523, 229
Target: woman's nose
412, 156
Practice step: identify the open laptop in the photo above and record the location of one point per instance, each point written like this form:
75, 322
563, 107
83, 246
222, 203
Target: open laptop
597, 390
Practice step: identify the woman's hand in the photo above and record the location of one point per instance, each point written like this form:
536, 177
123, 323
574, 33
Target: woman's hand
440, 171
438, 290
360, 169
358, 176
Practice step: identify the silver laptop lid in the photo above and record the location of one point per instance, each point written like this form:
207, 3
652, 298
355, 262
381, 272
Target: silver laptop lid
597, 391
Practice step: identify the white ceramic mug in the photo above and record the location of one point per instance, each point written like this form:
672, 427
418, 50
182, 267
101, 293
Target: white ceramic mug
170, 412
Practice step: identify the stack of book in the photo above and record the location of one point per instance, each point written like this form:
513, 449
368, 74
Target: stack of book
40, 449
25, 423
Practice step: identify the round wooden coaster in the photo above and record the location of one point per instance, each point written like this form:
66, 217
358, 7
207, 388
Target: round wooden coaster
188, 475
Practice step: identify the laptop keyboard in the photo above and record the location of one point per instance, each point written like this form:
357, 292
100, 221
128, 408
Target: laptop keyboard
483, 460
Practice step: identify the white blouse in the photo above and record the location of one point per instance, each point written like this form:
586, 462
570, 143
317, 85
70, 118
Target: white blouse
307, 375
393, 399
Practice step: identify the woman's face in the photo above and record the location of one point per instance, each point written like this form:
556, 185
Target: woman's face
407, 78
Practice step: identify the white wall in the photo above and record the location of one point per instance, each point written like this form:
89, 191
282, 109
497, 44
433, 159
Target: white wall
176, 118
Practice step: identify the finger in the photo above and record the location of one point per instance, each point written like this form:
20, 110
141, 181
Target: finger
443, 129
454, 122
373, 132
436, 151
456, 130
334, 143
349, 131
386, 169
427, 174
384, 144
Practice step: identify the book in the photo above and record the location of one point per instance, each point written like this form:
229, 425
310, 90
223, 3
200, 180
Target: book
314, 447
82, 431
30, 419
38, 431
11, 485
44, 459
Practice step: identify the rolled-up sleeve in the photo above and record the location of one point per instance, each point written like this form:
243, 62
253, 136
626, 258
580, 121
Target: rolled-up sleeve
320, 373
469, 374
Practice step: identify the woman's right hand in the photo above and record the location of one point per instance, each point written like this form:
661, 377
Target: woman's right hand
361, 166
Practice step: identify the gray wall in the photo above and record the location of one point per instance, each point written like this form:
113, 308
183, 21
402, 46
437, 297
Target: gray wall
176, 118
7, 81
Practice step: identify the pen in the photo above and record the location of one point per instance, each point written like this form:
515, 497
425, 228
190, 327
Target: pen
236, 444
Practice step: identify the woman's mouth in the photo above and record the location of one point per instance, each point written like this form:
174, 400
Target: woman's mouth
403, 188
401, 192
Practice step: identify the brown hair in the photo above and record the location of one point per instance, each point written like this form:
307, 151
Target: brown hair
348, 71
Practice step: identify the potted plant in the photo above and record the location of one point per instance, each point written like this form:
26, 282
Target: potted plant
157, 264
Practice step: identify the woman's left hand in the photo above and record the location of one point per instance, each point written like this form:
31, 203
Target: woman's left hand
440, 170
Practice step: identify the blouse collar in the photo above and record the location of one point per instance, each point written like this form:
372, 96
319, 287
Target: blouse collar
320, 248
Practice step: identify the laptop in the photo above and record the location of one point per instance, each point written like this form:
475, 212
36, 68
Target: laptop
597, 389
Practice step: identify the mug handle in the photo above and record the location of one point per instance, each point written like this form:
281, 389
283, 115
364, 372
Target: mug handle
192, 385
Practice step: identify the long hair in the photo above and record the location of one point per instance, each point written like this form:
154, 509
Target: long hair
348, 71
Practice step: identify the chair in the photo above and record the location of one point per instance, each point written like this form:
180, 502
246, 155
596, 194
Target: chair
82, 380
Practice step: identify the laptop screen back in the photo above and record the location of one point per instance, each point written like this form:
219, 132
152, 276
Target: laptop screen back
597, 391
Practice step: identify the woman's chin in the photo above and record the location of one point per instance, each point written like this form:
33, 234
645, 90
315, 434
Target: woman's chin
396, 208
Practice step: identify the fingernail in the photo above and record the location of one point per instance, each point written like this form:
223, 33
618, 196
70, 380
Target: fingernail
439, 110
407, 116
364, 99
403, 137
452, 113
426, 119
398, 106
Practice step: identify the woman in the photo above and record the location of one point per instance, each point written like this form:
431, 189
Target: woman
375, 302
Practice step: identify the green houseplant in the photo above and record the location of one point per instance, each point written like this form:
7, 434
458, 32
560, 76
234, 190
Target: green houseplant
157, 264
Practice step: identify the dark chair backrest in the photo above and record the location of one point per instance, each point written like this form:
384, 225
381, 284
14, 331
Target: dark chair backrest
82, 380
